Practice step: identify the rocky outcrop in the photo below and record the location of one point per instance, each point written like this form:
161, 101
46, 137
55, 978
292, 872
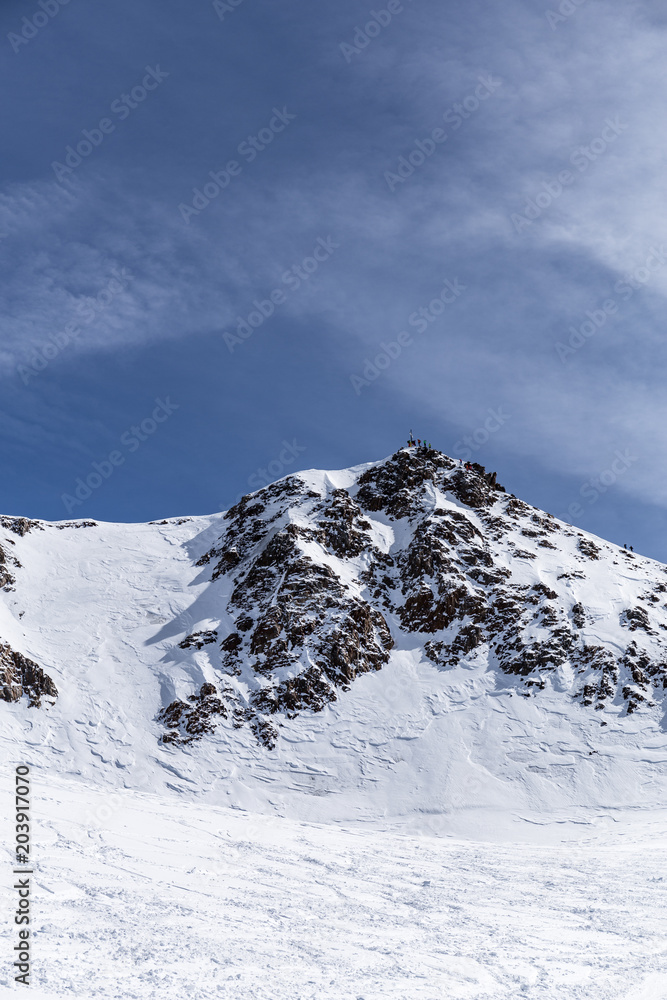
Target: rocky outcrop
199, 639
301, 634
189, 721
77, 524
20, 677
19, 525
6, 578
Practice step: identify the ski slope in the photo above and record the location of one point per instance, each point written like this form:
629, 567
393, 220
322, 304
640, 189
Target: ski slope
140, 895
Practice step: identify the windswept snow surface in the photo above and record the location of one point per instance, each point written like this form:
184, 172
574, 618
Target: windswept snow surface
430, 834
140, 896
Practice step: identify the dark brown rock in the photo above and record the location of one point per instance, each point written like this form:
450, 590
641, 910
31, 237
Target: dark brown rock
20, 676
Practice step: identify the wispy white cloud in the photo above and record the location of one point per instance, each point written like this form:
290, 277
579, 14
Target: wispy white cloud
451, 218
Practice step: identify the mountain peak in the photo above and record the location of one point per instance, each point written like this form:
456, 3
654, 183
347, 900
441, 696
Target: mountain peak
405, 596
319, 582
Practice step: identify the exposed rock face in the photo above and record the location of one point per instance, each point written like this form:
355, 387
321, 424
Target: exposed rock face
76, 524
188, 722
19, 525
6, 578
20, 676
199, 639
320, 582
299, 628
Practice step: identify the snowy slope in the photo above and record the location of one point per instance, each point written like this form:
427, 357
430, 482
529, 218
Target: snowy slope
413, 647
162, 898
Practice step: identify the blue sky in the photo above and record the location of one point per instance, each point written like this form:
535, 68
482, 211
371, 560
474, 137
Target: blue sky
363, 161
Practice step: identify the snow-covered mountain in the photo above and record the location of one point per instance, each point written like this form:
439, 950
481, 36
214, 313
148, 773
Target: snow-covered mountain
403, 639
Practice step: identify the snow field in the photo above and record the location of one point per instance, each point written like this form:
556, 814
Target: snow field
168, 899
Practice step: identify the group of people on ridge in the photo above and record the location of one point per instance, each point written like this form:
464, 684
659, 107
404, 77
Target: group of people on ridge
412, 443
418, 443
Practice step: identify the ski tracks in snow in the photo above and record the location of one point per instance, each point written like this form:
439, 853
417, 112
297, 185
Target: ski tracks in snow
168, 899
